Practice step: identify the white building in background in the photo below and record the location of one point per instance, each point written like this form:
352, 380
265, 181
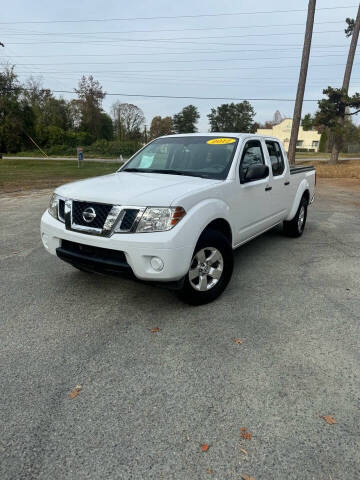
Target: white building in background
307, 139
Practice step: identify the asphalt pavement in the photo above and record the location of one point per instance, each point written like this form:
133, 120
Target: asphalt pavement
149, 401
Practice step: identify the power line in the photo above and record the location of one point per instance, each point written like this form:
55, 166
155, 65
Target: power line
176, 61
222, 51
173, 40
215, 80
187, 97
233, 67
167, 30
272, 82
171, 17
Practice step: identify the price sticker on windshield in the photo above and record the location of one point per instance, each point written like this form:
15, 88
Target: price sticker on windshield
221, 141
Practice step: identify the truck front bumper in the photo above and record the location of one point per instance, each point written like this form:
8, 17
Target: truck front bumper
139, 251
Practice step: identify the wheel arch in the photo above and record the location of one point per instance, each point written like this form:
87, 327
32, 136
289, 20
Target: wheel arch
306, 194
303, 190
220, 225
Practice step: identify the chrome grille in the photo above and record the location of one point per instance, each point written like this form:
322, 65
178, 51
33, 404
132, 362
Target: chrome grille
107, 219
101, 210
128, 219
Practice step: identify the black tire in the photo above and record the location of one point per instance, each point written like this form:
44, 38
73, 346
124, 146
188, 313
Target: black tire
295, 227
210, 243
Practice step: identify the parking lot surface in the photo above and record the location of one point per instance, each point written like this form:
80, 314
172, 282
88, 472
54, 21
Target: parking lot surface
150, 400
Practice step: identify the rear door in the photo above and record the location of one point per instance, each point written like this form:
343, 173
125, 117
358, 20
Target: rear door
280, 179
252, 202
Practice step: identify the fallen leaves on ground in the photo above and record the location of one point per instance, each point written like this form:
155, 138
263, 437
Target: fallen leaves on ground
74, 393
329, 419
247, 477
205, 447
242, 450
238, 341
245, 434
155, 330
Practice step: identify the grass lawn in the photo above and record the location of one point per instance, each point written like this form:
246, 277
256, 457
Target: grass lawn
35, 153
301, 155
17, 175
345, 169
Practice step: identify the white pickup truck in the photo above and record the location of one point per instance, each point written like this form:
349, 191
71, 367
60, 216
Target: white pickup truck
178, 208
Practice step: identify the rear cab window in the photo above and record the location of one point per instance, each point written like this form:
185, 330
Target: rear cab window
276, 157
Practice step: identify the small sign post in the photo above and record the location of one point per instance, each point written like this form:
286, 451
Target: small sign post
80, 155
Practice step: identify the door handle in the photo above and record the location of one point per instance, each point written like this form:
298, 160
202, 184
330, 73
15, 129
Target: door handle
268, 188
287, 183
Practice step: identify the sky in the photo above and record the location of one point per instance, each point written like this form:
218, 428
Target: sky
233, 49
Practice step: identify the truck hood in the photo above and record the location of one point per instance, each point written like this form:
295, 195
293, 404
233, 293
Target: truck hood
133, 188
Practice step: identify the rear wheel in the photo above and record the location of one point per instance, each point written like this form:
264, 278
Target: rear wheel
210, 269
295, 227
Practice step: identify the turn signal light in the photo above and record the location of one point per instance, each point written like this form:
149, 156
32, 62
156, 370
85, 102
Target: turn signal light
178, 214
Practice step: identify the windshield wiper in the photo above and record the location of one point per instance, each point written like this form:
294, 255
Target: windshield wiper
142, 170
168, 172
178, 172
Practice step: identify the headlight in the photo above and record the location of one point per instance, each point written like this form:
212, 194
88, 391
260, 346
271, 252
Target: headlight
53, 206
159, 219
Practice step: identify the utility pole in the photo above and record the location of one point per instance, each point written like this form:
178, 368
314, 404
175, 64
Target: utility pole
302, 81
346, 81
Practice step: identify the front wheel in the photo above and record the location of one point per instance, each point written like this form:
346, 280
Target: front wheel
210, 269
295, 227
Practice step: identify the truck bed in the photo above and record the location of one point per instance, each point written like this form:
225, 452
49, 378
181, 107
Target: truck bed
294, 169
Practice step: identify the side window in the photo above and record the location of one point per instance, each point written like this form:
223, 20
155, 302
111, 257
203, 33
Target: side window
252, 154
276, 157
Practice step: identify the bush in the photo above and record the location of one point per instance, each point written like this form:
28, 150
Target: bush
77, 139
101, 148
56, 135
114, 148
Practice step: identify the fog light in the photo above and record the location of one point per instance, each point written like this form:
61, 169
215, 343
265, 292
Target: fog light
157, 264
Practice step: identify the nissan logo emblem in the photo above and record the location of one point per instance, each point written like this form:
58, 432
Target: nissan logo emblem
88, 214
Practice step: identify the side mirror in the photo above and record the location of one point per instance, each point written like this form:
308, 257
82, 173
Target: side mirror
256, 172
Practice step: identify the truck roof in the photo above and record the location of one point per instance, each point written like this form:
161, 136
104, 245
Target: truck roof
220, 134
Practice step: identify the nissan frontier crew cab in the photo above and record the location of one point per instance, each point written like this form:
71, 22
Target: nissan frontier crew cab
178, 208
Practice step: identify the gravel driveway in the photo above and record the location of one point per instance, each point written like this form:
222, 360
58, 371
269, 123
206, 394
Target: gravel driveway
150, 400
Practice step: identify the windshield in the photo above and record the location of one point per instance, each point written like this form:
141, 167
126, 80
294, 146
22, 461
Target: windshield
199, 156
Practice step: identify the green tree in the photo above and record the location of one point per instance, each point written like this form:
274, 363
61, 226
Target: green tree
186, 120
51, 115
90, 97
323, 141
338, 104
16, 117
352, 31
106, 127
231, 117
350, 27
161, 126
307, 122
